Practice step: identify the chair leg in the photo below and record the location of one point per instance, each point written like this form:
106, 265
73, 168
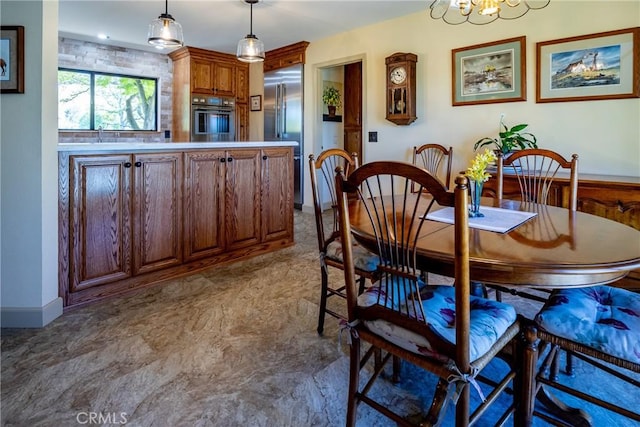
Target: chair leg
462, 407
397, 363
323, 299
361, 283
438, 404
569, 365
354, 380
526, 387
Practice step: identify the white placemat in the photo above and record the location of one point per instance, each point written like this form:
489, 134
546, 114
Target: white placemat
494, 219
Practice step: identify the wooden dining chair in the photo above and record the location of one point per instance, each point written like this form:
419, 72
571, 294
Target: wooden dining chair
436, 159
325, 205
535, 170
441, 329
600, 326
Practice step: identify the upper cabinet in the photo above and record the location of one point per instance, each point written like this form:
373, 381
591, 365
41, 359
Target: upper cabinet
213, 77
285, 56
205, 72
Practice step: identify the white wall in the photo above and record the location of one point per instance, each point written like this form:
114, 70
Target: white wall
29, 220
606, 134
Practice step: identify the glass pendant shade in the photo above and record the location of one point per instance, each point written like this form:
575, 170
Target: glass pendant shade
250, 49
165, 31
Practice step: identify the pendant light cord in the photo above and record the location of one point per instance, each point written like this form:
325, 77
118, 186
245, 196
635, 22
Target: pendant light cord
251, 19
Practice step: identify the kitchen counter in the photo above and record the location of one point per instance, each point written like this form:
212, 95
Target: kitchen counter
174, 146
134, 214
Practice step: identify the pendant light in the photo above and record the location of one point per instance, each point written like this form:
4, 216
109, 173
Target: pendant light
250, 48
165, 31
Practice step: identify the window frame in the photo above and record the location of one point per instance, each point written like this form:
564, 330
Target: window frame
92, 76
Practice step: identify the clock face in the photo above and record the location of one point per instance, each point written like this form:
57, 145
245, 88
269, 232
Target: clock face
398, 75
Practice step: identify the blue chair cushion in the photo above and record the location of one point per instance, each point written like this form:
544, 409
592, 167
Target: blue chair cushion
489, 320
362, 258
602, 317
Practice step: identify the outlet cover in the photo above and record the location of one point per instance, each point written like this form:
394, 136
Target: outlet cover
373, 136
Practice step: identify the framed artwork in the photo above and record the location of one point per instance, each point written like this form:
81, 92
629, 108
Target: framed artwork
12, 59
591, 67
489, 72
255, 102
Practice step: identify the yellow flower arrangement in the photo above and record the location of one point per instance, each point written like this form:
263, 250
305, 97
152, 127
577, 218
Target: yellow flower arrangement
478, 170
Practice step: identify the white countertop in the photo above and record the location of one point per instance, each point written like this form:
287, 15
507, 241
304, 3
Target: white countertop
174, 146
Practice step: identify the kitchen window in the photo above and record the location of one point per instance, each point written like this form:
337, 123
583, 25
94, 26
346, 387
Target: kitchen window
89, 100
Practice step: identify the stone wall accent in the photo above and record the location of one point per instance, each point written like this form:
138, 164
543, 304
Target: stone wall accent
84, 55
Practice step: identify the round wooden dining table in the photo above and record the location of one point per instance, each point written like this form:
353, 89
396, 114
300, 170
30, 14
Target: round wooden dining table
556, 248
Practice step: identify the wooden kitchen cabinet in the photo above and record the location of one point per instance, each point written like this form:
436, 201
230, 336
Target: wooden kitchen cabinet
124, 216
100, 217
242, 83
157, 211
204, 204
242, 122
242, 198
213, 77
205, 72
129, 220
277, 193
285, 56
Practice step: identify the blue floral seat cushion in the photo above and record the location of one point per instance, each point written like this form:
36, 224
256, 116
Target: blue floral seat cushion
362, 258
602, 317
489, 320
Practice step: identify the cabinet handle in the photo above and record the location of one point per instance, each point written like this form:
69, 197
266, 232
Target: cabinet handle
138, 164
127, 164
230, 159
222, 160
264, 157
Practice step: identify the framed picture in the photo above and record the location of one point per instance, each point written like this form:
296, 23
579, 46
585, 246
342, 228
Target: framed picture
587, 68
255, 102
489, 72
11, 59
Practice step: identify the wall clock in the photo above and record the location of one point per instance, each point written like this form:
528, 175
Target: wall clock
401, 88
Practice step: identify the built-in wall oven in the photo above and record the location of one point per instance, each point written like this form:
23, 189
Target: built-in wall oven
213, 119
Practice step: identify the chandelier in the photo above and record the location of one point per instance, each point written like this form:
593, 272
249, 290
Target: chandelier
480, 12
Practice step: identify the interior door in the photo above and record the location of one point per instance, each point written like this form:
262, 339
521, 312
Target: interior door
353, 108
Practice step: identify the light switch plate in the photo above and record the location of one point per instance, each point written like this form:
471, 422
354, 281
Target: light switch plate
373, 136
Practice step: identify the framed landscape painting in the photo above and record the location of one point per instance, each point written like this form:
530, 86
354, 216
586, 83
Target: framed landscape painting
489, 72
590, 67
11, 59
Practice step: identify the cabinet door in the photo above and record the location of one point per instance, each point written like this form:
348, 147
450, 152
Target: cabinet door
277, 193
242, 122
242, 84
157, 221
242, 198
100, 220
203, 204
202, 73
225, 79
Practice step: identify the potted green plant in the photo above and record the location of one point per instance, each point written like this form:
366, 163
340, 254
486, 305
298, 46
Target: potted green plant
509, 139
331, 98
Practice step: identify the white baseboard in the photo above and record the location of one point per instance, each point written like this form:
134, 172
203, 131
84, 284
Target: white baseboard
30, 317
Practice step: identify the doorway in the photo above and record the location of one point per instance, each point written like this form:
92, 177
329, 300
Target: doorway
345, 130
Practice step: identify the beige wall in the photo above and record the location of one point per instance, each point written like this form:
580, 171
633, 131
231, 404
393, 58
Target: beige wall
606, 134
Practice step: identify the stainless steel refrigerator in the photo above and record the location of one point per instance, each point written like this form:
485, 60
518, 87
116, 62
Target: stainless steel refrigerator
283, 116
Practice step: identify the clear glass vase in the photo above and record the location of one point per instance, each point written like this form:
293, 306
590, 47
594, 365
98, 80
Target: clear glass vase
475, 191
